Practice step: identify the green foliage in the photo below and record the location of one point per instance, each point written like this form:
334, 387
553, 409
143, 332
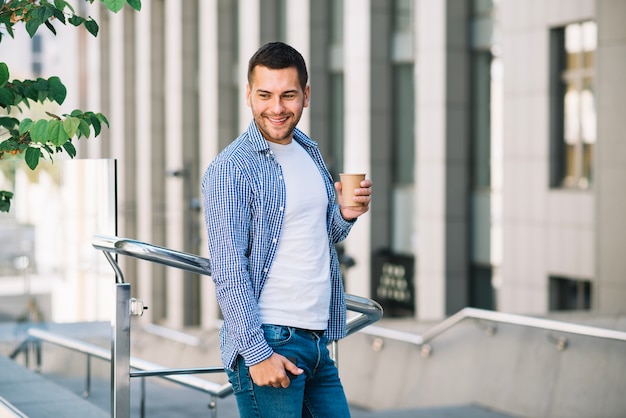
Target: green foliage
42, 138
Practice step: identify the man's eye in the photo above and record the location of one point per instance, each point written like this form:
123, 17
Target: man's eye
289, 96
264, 96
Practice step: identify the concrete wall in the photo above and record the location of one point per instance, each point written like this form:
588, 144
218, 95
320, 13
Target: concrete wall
518, 371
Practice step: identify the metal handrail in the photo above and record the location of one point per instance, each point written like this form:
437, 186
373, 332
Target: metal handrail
500, 317
368, 312
142, 368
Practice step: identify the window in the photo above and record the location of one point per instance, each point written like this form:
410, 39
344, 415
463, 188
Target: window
568, 294
481, 291
573, 113
480, 119
403, 124
403, 16
402, 118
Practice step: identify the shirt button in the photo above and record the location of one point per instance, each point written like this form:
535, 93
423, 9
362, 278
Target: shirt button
281, 209
274, 240
265, 270
280, 177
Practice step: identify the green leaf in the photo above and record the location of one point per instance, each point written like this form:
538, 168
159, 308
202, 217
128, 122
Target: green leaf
84, 128
102, 118
56, 133
62, 4
91, 26
4, 74
32, 156
70, 125
95, 122
5, 200
69, 148
39, 131
114, 5
135, 4
6, 97
25, 125
32, 25
76, 20
49, 26
8, 122
58, 13
57, 89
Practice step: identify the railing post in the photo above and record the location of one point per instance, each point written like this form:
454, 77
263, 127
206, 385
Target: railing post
120, 353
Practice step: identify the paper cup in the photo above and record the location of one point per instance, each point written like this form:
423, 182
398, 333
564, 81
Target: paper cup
349, 182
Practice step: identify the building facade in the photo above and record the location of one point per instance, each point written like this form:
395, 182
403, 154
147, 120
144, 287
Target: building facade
491, 130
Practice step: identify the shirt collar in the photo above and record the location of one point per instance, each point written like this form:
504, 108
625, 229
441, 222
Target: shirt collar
259, 143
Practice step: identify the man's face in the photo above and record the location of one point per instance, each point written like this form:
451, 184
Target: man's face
276, 99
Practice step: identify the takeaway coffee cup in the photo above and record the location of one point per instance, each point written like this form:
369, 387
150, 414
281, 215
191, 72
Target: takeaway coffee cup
349, 182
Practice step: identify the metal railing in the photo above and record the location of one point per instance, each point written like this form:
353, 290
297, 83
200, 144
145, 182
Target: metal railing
139, 367
367, 312
491, 317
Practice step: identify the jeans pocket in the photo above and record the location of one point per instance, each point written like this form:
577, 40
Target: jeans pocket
277, 335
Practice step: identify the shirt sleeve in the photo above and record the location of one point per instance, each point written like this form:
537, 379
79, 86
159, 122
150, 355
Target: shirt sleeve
339, 227
227, 202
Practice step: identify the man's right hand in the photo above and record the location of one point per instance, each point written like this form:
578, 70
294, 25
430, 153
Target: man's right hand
273, 371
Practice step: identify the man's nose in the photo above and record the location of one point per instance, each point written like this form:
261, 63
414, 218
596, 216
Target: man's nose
277, 105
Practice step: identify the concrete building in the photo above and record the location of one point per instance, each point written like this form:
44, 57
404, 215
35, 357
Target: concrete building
491, 130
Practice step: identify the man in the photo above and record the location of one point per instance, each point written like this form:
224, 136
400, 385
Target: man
272, 223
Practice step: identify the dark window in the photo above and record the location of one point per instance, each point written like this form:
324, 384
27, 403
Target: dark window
572, 108
568, 294
481, 293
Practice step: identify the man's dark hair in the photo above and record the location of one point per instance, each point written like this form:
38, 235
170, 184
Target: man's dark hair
276, 56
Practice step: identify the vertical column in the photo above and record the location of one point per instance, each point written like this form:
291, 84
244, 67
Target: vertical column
442, 138
299, 36
249, 41
209, 132
174, 204
143, 143
357, 131
610, 159
430, 162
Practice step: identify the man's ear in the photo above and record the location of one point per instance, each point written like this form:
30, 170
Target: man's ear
248, 95
307, 95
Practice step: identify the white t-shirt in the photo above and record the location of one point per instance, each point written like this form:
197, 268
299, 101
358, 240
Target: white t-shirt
297, 291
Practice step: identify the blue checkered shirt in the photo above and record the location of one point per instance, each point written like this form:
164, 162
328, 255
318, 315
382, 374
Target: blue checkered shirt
244, 199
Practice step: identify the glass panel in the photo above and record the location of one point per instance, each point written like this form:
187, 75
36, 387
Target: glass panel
569, 294
481, 120
404, 131
403, 15
570, 165
587, 169
573, 46
49, 269
571, 117
588, 112
336, 22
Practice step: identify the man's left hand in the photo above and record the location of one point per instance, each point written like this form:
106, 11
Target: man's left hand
362, 195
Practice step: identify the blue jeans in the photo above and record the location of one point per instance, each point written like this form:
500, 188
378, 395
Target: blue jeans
316, 393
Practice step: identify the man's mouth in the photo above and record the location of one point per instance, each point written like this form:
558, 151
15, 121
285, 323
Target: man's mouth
277, 121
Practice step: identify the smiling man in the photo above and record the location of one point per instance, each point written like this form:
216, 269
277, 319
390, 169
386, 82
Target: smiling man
273, 218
